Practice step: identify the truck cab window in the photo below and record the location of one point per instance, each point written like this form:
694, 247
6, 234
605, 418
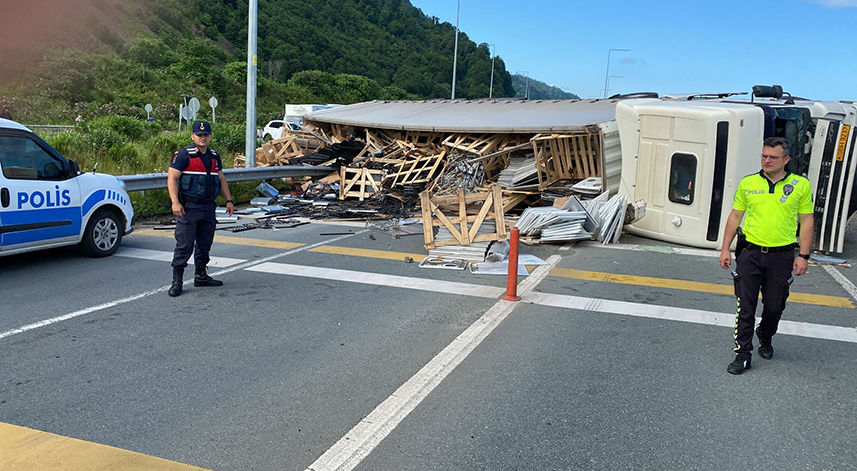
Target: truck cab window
23, 159
682, 178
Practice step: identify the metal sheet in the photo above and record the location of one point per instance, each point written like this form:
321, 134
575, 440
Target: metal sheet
473, 116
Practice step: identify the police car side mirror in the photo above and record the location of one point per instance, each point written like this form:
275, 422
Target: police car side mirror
73, 168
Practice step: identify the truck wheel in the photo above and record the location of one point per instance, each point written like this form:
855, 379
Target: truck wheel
267, 138
102, 235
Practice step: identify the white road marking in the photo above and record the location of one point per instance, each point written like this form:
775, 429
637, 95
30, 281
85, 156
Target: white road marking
799, 329
351, 449
135, 297
423, 284
666, 249
163, 256
845, 282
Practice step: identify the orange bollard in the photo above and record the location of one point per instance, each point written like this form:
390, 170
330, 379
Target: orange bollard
512, 277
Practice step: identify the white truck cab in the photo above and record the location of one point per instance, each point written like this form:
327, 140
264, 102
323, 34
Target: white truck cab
684, 158
46, 202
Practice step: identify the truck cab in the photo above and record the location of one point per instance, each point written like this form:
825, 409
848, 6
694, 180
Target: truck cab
46, 202
686, 158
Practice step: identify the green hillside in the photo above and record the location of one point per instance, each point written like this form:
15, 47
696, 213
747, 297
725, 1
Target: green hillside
539, 90
111, 57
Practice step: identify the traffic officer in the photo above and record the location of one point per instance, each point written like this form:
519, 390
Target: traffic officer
195, 178
773, 200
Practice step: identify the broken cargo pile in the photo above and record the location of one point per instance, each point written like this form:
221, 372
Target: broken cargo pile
467, 164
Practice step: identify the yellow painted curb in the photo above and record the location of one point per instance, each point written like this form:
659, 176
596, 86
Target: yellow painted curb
25, 449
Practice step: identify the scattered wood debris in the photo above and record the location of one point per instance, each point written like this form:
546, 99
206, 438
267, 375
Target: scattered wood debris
460, 181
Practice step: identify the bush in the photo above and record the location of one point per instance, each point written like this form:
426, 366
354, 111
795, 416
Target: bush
125, 155
129, 127
98, 138
228, 137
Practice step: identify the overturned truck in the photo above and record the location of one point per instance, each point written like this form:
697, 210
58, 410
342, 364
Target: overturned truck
682, 156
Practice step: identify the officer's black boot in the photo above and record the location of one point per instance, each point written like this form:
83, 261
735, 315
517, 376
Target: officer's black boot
176, 288
202, 279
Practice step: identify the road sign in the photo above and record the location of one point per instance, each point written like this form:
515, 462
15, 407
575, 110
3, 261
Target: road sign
193, 104
148, 109
187, 113
212, 102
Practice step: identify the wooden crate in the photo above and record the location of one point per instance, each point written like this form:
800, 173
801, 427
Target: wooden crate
359, 182
420, 170
475, 144
566, 157
463, 220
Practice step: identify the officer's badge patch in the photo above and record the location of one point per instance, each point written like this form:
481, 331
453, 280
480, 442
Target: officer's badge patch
788, 189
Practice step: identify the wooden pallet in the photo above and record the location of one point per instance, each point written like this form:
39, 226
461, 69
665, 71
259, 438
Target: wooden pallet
462, 223
420, 170
566, 157
359, 182
475, 144
423, 138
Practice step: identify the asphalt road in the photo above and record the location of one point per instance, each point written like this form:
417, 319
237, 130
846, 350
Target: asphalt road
326, 351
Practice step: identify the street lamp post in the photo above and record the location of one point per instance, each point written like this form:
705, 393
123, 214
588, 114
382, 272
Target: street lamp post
250, 135
527, 87
607, 75
491, 88
606, 92
455, 53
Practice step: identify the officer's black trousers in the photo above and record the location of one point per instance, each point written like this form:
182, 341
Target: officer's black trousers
194, 234
772, 274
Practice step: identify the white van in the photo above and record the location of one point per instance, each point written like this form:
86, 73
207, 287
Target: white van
46, 202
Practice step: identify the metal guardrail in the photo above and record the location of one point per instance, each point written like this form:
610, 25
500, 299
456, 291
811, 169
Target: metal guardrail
156, 181
48, 127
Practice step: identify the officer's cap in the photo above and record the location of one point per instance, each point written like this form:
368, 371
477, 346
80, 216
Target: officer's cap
201, 127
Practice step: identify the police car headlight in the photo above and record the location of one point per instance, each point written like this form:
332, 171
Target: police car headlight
123, 185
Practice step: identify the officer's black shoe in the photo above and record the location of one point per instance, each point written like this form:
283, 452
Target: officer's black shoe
766, 351
741, 363
202, 279
176, 288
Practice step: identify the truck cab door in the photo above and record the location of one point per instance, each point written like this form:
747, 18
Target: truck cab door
39, 196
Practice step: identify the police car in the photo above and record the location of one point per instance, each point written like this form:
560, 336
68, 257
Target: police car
46, 202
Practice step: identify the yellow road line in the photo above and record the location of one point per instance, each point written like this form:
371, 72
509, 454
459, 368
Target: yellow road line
25, 449
369, 253
805, 298
272, 244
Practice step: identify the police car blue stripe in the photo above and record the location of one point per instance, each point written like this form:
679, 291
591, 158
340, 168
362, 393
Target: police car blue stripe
95, 198
70, 214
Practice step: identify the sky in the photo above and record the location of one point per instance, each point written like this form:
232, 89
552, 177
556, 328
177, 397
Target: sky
807, 46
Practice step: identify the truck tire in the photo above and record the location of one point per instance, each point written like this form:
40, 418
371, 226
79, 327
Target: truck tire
267, 138
103, 234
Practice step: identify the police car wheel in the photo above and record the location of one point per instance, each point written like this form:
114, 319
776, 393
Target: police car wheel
103, 234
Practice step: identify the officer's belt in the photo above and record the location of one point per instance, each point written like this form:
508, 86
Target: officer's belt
191, 199
760, 248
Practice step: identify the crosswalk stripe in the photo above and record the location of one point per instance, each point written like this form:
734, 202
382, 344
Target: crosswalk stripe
422, 284
652, 311
163, 256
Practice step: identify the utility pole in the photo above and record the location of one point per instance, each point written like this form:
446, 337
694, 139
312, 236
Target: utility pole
607, 75
455, 54
250, 136
493, 55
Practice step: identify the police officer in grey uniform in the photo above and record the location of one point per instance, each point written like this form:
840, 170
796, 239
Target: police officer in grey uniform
194, 180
